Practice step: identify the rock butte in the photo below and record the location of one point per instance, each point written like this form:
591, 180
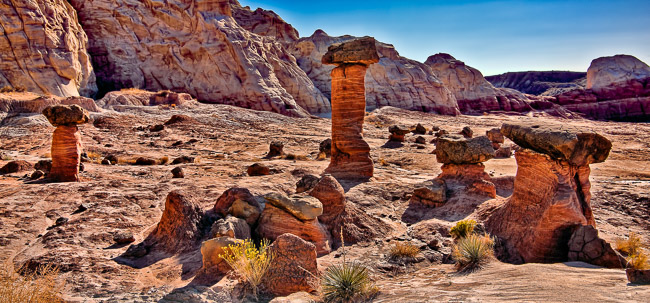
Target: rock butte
350, 153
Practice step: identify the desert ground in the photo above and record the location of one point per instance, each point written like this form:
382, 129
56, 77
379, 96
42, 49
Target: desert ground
225, 140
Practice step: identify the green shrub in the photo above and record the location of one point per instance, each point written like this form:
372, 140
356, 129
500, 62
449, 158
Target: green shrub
473, 251
249, 262
462, 229
347, 282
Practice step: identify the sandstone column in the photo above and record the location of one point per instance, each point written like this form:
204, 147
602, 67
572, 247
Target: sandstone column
551, 197
350, 153
66, 141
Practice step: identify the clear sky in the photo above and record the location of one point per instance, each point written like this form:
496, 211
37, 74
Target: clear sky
493, 36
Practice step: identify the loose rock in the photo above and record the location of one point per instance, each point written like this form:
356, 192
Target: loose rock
304, 208
398, 133
258, 169
275, 149
15, 166
178, 173
306, 183
293, 268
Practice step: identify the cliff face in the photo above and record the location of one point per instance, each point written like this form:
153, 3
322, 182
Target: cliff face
473, 93
43, 49
196, 47
394, 81
539, 83
264, 22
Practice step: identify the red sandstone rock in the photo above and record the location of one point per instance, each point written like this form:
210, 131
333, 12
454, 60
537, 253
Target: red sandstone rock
180, 227
211, 251
274, 222
551, 198
15, 166
66, 154
463, 151
293, 268
240, 203
258, 169
350, 153
586, 246
472, 177
398, 133
638, 276
332, 195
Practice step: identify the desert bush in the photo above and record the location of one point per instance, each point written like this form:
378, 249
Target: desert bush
383, 162
249, 262
639, 260
631, 246
462, 229
321, 156
13, 89
164, 160
403, 250
473, 251
39, 286
347, 282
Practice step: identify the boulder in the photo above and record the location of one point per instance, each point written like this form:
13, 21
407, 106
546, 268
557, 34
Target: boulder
64, 115
44, 165
458, 150
275, 149
495, 135
605, 71
420, 140
398, 133
258, 169
332, 196
503, 152
231, 227
45, 49
144, 161
211, 251
183, 160
275, 222
560, 142
306, 183
431, 193
471, 178
180, 227
638, 276
304, 208
240, 203
293, 268
298, 297
37, 175
359, 51
551, 199
586, 246
177, 173
180, 119
15, 166
325, 147
123, 237
420, 129
467, 132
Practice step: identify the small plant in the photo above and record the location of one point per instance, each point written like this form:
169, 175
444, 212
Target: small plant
164, 160
631, 246
347, 282
462, 229
638, 261
13, 89
383, 162
249, 262
403, 250
321, 156
473, 251
39, 286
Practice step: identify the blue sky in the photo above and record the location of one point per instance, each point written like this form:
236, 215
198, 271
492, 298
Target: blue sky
493, 36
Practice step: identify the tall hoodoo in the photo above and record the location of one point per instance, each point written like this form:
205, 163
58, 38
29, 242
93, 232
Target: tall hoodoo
551, 197
350, 153
66, 141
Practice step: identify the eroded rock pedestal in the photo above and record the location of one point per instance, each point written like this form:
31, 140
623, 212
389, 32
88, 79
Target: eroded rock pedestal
551, 197
66, 141
350, 153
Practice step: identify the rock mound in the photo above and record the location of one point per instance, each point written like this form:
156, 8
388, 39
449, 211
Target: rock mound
15, 167
605, 71
539, 82
180, 227
292, 268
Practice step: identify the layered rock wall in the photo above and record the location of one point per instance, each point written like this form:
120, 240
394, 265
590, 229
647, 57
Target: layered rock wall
43, 49
194, 47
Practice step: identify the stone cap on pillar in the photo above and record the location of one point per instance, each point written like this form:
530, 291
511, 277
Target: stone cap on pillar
59, 115
561, 142
359, 51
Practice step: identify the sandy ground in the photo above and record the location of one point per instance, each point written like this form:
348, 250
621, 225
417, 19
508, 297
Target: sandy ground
225, 141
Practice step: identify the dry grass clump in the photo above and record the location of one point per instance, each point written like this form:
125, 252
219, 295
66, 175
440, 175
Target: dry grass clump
296, 157
462, 229
383, 162
249, 262
13, 89
40, 286
473, 252
403, 250
321, 156
164, 160
633, 249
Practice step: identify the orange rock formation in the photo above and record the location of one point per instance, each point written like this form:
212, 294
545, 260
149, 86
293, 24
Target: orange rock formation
350, 153
66, 141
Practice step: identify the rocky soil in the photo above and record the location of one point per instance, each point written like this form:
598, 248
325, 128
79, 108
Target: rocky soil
114, 200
